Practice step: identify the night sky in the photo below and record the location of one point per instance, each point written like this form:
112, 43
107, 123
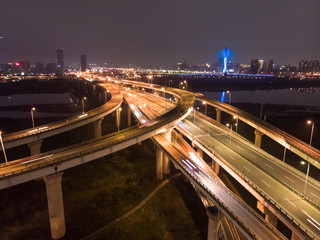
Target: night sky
159, 31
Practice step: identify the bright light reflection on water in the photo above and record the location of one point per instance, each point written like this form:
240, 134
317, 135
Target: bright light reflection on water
304, 97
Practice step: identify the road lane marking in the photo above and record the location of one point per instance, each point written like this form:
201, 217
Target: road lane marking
219, 148
315, 195
231, 157
269, 166
265, 183
313, 224
290, 202
247, 169
239, 147
312, 220
289, 179
252, 155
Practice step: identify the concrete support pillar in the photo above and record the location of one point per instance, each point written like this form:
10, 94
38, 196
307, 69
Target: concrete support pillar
200, 152
35, 147
269, 216
166, 165
258, 138
55, 205
295, 236
213, 223
94, 91
216, 168
97, 128
118, 117
218, 116
105, 97
166, 161
129, 116
159, 164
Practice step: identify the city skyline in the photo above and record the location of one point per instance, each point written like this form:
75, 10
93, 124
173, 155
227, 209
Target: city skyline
147, 32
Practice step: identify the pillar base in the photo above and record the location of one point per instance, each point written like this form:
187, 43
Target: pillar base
269, 216
258, 138
218, 116
129, 116
216, 168
159, 164
35, 147
55, 205
166, 165
97, 128
213, 223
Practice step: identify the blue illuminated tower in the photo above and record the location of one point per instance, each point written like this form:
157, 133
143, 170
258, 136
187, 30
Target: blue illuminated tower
225, 55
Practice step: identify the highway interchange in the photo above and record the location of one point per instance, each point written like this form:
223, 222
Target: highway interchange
245, 157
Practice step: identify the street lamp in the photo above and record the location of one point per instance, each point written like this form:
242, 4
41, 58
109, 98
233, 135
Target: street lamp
32, 118
229, 92
205, 109
312, 128
230, 130
235, 117
306, 181
83, 99
4, 151
107, 94
186, 83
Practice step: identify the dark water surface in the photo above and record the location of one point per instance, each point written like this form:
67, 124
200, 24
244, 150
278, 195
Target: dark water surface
305, 97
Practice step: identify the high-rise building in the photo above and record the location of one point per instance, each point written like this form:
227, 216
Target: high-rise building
261, 62
60, 60
182, 66
270, 66
51, 67
83, 63
39, 68
25, 67
254, 66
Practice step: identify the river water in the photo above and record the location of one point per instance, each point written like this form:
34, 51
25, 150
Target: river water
11, 105
304, 97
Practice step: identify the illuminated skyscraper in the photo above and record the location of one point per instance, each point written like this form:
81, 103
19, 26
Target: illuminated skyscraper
261, 62
60, 60
83, 63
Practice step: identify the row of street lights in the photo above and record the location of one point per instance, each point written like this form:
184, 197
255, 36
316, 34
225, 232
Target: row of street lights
33, 109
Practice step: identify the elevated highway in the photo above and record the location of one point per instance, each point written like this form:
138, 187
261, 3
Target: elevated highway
276, 200
49, 165
41, 132
30, 168
200, 174
295, 145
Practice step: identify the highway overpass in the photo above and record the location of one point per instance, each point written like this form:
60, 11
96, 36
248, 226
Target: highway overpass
50, 165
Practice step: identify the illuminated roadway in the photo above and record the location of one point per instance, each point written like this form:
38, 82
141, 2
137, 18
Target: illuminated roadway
201, 175
241, 154
297, 146
47, 163
33, 167
245, 159
40, 132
